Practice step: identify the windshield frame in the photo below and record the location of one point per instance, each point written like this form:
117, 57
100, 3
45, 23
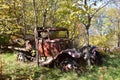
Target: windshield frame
58, 31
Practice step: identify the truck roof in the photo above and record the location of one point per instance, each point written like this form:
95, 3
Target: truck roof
51, 29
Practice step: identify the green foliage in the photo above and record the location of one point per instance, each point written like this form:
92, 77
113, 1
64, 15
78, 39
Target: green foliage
10, 16
66, 17
17, 16
99, 40
109, 40
109, 70
4, 39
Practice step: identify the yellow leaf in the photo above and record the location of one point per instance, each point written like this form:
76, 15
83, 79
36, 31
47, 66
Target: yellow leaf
5, 6
1, 1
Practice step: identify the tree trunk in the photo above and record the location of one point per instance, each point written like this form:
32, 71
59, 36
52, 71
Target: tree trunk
23, 17
118, 35
44, 18
87, 44
87, 37
35, 33
119, 39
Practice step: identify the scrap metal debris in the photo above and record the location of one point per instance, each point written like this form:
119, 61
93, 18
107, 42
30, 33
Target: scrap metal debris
71, 59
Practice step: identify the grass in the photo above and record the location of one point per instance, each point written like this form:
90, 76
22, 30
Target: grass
11, 68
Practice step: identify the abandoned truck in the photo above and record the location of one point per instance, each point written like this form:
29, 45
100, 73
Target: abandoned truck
53, 44
51, 41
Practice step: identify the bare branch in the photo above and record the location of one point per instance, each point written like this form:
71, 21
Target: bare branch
102, 6
85, 2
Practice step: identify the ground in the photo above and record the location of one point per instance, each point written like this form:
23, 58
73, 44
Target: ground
15, 70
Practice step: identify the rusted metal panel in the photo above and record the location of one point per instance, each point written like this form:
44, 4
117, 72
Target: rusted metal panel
50, 41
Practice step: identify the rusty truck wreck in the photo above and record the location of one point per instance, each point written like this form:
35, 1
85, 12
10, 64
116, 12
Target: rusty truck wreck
54, 43
51, 41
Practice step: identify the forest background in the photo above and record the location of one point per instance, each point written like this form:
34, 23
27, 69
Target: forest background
99, 17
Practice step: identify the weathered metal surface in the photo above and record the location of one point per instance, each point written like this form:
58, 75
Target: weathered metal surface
50, 43
71, 59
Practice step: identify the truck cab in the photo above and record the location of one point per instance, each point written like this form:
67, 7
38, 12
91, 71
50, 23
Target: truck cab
52, 40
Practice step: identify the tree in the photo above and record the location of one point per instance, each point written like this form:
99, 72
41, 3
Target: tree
117, 2
88, 9
10, 17
65, 16
104, 23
